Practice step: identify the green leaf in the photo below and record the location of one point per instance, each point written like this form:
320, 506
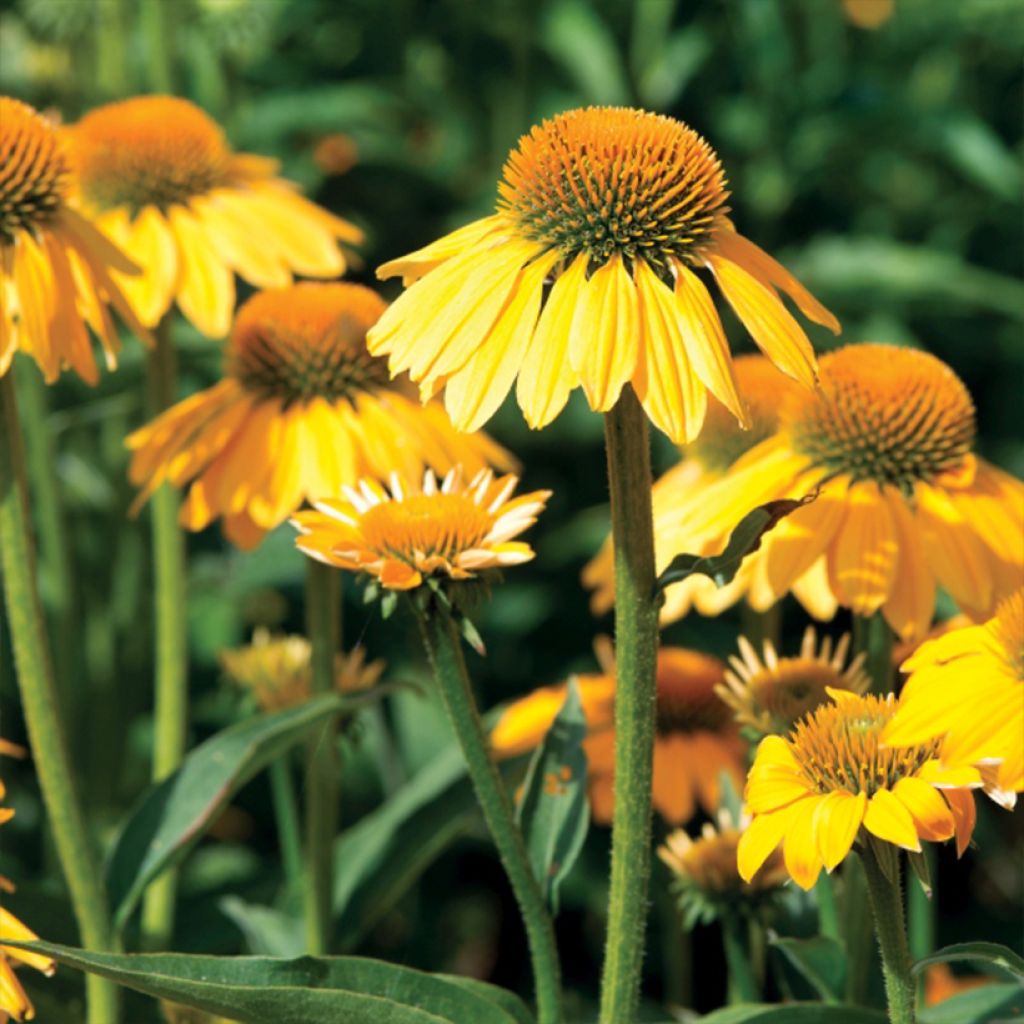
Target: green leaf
174, 814
267, 930
306, 990
554, 813
996, 1003
989, 954
574, 34
744, 539
820, 961
508, 1001
794, 1013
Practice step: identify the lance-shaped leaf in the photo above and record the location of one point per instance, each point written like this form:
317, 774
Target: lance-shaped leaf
984, 954
821, 961
174, 814
553, 811
794, 1013
744, 540
306, 990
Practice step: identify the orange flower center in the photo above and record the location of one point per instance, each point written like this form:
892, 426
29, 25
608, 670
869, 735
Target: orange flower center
838, 748
686, 698
610, 180
425, 526
148, 151
892, 415
33, 171
792, 689
1009, 631
307, 341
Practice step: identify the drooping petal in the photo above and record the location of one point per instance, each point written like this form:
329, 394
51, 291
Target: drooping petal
864, 551
800, 848
836, 824
932, 817
887, 818
760, 839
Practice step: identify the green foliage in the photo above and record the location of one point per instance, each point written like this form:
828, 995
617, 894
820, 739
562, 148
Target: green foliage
995, 1003
795, 1013
984, 954
820, 961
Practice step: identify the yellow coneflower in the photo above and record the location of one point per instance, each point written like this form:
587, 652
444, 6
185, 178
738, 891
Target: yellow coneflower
833, 780
302, 410
967, 688
771, 694
453, 530
721, 443
162, 181
902, 501
587, 276
56, 270
695, 742
278, 669
868, 14
705, 872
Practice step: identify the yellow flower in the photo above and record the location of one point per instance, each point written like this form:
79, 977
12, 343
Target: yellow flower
302, 410
967, 687
277, 669
721, 443
57, 272
868, 14
832, 780
587, 276
163, 183
453, 530
903, 503
694, 744
772, 694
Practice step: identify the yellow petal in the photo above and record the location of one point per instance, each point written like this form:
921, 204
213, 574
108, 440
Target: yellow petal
760, 839
887, 818
152, 245
414, 265
911, 603
836, 824
206, 291
864, 551
800, 849
933, 819
964, 811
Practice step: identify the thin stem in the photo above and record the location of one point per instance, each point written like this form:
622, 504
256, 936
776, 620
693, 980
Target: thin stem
441, 639
170, 713
156, 19
758, 627
828, 914
887, 908
743, 987
636, 643
323, 626
922, 914
41, 707
286, 812
872, 637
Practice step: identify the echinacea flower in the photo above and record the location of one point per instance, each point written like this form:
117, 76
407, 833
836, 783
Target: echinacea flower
770, 694
302, 410
706, 879
695, 740
587, 275
278, 669
902, 502
450, 531
57, 272
967, 689
161, 180
832, 781
721, 443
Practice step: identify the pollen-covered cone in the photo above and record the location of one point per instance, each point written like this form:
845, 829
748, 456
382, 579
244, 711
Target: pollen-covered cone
833, 780
903, 504
452, 530
587, 276
159, 177
694, 744
302, 410
967, 689
723, 440
57, 272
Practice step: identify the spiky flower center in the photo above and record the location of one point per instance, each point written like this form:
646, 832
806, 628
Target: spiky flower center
611, 180
33, 171
838, 747
425, 526
1009, 632
148, 151
686, 701
891, 415
307, 341
792, 689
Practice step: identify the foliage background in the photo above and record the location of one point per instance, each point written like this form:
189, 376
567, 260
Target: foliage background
882, 165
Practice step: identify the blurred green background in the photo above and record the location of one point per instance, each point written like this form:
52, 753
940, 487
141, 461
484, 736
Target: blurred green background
882, 164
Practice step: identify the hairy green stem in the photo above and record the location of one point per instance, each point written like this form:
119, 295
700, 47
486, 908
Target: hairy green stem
41, 707
286, 813
887, 908
743, 986
872, 637
323, 626
636, 644
442, 642
170, 712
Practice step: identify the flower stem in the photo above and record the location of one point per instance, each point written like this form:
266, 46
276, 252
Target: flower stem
872, 637
636, 643
170, 712
40, 704
828, 914
743, 986
286, 812
887, 908
441, 639
323, 626
921, 914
